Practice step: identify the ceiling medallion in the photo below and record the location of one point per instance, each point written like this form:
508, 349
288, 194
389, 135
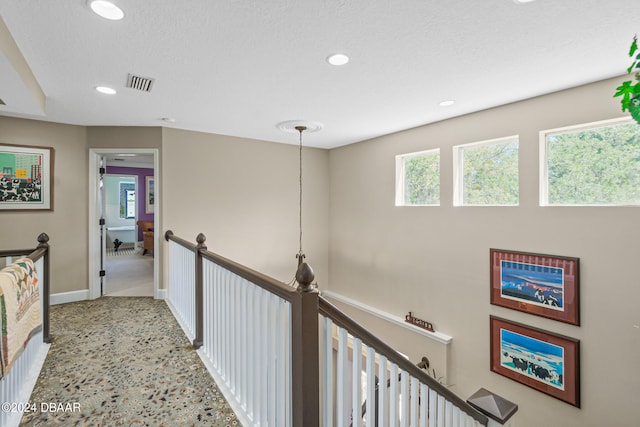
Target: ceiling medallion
291, 125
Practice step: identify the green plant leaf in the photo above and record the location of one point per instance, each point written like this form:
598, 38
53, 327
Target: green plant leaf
626, 89
634, 46
634, 65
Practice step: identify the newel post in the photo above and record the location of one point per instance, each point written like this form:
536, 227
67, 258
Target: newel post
305, 351
43, 243
200, 247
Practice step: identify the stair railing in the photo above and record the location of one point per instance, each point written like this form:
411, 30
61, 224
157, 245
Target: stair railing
258, 337
362, 361
260, 340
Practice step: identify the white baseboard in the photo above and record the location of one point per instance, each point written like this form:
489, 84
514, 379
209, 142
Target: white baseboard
65, 297
73, 296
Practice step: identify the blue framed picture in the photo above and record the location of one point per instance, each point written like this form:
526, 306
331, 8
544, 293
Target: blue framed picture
544, 285
542, 360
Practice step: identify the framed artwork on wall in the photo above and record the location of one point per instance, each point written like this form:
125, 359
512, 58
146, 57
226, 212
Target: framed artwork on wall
26, 178
150, 198
542, 360
544, 285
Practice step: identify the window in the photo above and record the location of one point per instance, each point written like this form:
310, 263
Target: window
418, 179
486, 173
127, 199
596, 164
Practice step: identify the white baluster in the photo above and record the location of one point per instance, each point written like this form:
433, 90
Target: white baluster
356, 383
441, 414
424, 405
328, 372
341, 384
449, 414
414, 395
404, 399
370, 413
393, 395
433, 408
383, 391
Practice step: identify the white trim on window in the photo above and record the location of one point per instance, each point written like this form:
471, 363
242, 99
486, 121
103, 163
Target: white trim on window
543, 184
400, 175
458, 168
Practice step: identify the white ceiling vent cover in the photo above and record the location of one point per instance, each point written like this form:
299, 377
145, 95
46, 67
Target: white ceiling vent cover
140, 83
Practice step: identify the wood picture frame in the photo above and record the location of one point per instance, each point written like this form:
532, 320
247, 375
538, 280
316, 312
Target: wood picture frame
26, 178
544, 361
544, 285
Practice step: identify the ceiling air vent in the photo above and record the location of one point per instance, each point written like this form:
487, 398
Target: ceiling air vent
141, 83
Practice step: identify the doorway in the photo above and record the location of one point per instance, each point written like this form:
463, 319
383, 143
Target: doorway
123, 212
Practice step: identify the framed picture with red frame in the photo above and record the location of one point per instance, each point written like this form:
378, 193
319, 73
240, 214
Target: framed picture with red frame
544, 285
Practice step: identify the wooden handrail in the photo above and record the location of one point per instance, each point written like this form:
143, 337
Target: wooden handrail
341, 319
185, 243
265, 282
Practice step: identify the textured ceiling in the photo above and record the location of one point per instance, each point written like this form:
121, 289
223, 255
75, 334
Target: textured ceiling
241, 67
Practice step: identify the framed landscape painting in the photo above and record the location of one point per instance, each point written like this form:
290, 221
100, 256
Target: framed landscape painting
544, 285
542, 360
26, 178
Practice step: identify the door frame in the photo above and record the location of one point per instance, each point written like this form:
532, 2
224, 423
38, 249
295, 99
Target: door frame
94, 216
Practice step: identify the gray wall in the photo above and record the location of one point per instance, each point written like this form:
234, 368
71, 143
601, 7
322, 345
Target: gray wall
434, 261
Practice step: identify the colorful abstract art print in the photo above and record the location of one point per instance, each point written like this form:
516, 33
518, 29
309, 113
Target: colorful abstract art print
26, 178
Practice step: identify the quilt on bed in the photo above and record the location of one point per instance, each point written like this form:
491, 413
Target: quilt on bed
19, 310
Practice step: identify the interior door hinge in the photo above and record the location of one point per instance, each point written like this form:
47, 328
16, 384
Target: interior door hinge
102, 221
103, 273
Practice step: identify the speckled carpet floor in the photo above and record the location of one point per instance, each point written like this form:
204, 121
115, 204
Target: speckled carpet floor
120, 361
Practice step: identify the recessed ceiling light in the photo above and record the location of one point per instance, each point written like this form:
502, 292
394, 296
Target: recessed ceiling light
337, 59
168, 119
106, 90
106, 9
447, 103
522, 1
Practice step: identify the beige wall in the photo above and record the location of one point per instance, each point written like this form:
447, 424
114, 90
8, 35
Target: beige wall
243, 195
67, 224
124, 137
433, 261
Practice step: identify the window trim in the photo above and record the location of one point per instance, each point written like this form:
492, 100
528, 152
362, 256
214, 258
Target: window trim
458, 169
400, 176
543, 183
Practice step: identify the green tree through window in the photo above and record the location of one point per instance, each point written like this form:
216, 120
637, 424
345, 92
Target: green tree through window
419, 174
597, 166
489, 173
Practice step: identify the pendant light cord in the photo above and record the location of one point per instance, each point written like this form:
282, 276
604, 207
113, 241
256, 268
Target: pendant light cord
300, 129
